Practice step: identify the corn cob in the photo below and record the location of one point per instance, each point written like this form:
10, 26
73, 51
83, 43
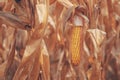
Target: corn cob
75, 45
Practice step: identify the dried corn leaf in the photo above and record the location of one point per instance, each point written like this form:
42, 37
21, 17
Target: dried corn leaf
66, 3
8, 72
13, 21
45, 63
97, 35
30, 65
41, 12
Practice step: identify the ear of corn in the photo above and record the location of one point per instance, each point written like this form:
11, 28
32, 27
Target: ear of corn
75, 45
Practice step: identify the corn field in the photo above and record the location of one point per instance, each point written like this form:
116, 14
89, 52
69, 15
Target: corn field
59, 39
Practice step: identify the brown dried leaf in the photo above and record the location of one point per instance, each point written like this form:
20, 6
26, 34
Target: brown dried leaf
8, 72
30, 66
13, 21
45, 62
66, 3
97, 35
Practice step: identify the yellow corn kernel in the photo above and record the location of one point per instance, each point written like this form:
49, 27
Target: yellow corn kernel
75, 45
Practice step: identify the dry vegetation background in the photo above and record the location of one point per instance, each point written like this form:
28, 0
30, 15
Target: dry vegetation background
36, 42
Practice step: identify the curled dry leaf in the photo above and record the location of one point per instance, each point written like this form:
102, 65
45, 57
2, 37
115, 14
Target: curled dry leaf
66, 3
45, 62
41, 12
30, 64
97, 35
13, 21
